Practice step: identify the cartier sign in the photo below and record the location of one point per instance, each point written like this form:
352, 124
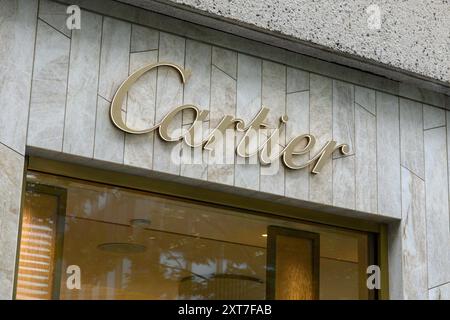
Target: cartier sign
267, 148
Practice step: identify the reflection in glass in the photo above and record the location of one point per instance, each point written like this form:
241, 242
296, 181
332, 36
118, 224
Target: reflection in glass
137, 245
294, 268
37, 247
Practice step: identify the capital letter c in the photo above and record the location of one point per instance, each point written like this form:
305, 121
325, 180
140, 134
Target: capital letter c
116, 105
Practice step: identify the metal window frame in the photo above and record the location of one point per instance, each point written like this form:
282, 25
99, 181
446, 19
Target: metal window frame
272, 233
61, 195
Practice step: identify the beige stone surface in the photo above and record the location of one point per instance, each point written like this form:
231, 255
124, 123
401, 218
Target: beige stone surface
437, 207
17, 34
109, 142
11, 174
388, 155
433, 117
169, 94
143, 39
365, 160
54, 14
248, 103
365, 97
321, 126
115, 55
344, 182
274, 97
297, 109
196, 92
79, 129
413, 236
223, 102
49, 88
297, 80
343, 115
411, 136
140, 115
440, 293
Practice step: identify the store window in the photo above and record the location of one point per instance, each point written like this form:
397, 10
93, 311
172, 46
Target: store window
82, 240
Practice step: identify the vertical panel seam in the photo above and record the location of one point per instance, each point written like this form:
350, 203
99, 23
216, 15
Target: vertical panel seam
98, 86
67, 90
32, 74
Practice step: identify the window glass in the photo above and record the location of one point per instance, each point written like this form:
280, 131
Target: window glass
82, 240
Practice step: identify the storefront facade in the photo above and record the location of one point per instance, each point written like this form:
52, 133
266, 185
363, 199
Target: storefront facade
100, 171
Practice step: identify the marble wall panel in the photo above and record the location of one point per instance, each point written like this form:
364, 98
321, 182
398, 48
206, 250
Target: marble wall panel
411, 136
55, 15
388, 155
437, 207
249, 75
17, 34
114, 68
79, 129
365, 160
169, 94
49, 88
344, 182
140, 113
297, 107
223, 102
433, 117
274, 97
413, 236
143, 39
343, 115
440, 293
365, 98
197, 92
321, 126
11, 177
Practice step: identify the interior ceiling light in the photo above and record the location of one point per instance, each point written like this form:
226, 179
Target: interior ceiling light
229, 276
122, 247
140, 223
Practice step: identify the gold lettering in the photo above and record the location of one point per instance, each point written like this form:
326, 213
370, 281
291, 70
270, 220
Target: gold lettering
290, 150
191, 136
267, 154
226, 123
299, 145
326, 153
165, 123
116, 104
257, 123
